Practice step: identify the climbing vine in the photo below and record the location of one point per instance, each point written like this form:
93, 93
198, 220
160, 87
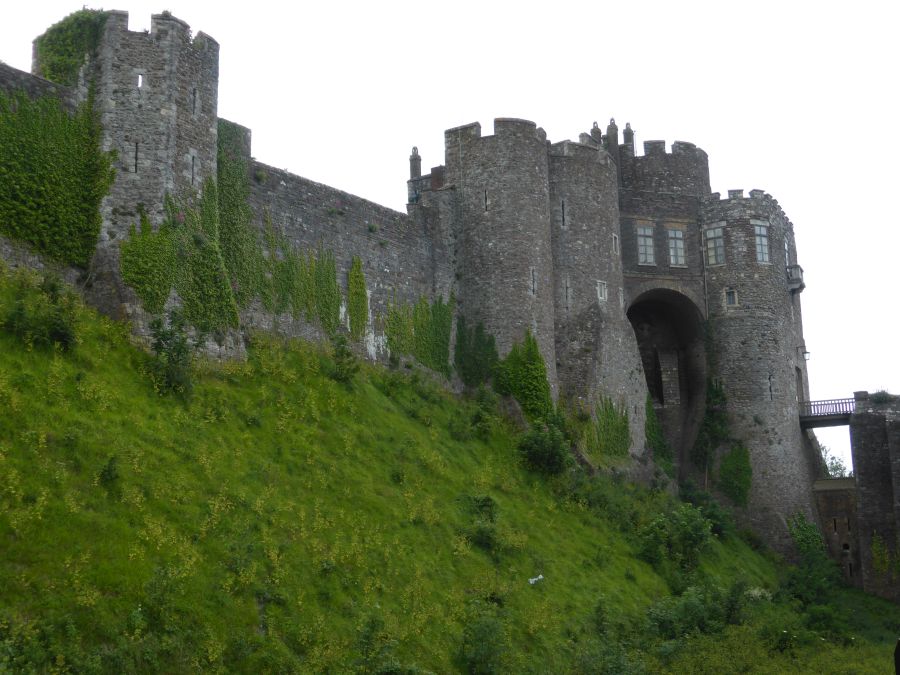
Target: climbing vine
609, 435
736, 474
357, 299
714, 428
422, 331
523, 375
53, 176
328, 294
148, 263
398, 328
475, 355
61, 50
241, 252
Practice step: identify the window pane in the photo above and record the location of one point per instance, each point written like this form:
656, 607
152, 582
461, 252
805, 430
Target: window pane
715, 246
762, 243
645, 246
676, 247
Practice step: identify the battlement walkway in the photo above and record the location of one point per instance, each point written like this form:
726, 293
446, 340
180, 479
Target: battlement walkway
832, 413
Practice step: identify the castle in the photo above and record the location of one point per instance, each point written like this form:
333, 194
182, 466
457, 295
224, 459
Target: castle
635, 279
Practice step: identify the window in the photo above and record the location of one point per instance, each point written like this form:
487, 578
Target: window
715, 246
676, 248
601, 291
533, 282
731, 297
140, 81
762, 242
787, 253
645, 246
616, 244
563, 207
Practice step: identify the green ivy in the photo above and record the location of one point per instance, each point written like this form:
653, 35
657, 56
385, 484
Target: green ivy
475, 356
61, 49
328, 294
656, 440
148, 264
238, 240
357, 299
523, 375
53, 176
714, 429
398, 328
609, 435
736, 474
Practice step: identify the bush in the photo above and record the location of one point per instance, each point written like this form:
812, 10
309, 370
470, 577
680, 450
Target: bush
736, 474
523, 375
678, 536
483, 644
544, 449
346, 365
171, 369
815, 576
42, 315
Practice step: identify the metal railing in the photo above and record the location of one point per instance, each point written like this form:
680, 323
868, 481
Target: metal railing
835, 406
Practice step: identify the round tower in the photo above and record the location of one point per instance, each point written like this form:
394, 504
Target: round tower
595, 347
758, 352
156, 94
505, 258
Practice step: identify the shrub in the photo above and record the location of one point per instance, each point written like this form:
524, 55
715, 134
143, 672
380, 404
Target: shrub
523, 375
475, 355
544, 449
171, 369
346, 365
678, 536
483, 643
61, 50
357, 299
42, 315
653, 431
815, 575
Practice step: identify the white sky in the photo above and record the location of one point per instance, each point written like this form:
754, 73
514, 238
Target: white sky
796, 98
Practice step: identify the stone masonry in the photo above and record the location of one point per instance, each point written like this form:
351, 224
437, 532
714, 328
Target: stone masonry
633, 277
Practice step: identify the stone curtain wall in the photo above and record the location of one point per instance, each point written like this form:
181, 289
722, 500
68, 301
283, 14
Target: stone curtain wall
13, 80
395, 249
757, 344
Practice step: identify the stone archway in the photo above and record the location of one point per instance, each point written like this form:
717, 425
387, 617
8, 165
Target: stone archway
670, 335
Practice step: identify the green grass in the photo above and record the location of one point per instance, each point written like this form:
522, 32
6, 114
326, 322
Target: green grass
282, 522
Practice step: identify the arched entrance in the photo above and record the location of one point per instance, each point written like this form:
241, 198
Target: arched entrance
669, 331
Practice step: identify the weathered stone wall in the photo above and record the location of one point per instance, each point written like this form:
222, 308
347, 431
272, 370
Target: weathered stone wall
758, 355
13, 80
836, 506
398, 259
875, 443
505, 262
595, 347
684, 171
156, 97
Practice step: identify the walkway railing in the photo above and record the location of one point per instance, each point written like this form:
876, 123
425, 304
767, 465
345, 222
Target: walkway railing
835, 406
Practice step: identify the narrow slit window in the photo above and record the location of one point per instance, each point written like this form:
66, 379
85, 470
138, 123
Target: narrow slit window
485, 200
194, 101
563, 206
136, 151
568, 294
834, 520
616, 244
193, 169
850, 566
848, 524
533, 282
140, 81
601, 291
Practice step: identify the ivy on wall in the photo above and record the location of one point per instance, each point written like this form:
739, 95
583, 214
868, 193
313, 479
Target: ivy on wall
714, 428
609, 435
523, 375
357, 299
53, 176
736, 474
328, 293
475, 356
422, 331
148, 264
61, 49
241, 252
183, 253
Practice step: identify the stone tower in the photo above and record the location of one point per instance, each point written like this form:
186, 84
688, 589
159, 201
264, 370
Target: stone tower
156, 94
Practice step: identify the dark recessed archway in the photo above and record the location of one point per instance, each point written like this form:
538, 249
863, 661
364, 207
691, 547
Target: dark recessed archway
669, 331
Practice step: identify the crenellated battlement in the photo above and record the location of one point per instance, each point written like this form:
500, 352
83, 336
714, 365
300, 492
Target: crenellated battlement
683, 170
756, 203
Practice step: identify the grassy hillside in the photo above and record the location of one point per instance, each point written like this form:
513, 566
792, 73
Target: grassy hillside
278, 520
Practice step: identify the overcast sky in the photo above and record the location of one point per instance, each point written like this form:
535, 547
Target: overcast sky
796, 98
